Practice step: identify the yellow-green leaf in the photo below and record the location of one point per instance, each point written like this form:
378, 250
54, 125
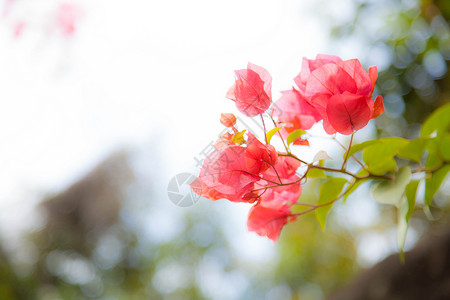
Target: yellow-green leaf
380, 157
444, 147
271, 133
437, 123
414, 150
316, 173
433, 182
355, 184
404, 213
238, 137
294, 135
329, 191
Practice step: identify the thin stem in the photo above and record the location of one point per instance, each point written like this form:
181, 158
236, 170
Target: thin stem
389, 177
423, 169
264, 125
353, 156
315, 206
306, 204
348, 152
279, 133
293, 156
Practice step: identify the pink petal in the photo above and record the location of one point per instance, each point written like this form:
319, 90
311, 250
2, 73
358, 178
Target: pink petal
329, 79
265, 76
373, 74
360, 76
251, 97
266, 221
378, 107
348, 112
292, 108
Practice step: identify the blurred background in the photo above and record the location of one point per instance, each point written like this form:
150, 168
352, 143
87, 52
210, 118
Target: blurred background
109, 105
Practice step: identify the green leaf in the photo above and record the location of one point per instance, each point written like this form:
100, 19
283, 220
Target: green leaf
294, 135
414, 150
405, 211
329, 191
380, 157
387, 140
359, 147
444, 147
316, 173
355, 184
433, 158
402, 225
390, 192
410, 193
433, 182
271, 133
438, 122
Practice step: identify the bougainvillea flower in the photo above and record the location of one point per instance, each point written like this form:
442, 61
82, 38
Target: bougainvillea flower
268, 221
228, 120
225, 171
295, 111
272, 211
284, 170
340, 91
252, 90
231, 171
259, 157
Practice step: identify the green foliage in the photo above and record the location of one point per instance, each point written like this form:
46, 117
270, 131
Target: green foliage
438, 124
404, 213
414, 150
354, 185
391, 192
444, 147
316, 173
379, 156
329, 192
433, 182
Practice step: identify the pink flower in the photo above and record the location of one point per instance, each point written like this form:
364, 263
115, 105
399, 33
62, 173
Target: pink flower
272, 212
294, 112
340, 91
224, 173
268, 221
293, 109
258, 156
231, 171
251, 90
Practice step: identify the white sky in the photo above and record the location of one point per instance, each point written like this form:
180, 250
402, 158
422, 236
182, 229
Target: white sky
137, 73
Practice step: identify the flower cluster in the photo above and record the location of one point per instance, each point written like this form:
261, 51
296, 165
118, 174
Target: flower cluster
244, 169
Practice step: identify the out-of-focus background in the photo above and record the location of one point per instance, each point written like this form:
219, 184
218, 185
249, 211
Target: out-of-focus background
106, 106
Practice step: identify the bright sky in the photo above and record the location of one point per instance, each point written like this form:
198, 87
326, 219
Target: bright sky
144, 74
136, 73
